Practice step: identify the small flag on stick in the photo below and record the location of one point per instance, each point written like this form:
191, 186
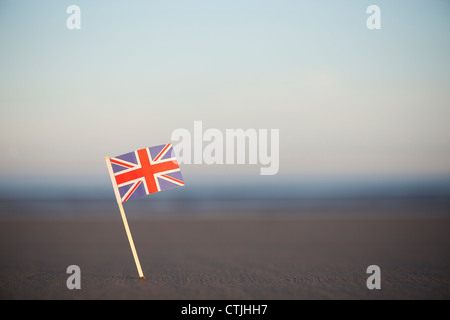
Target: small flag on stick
142, 172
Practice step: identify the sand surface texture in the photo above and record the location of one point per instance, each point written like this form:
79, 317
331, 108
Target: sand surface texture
227, 259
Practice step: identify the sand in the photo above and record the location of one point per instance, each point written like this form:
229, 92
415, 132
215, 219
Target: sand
226, 258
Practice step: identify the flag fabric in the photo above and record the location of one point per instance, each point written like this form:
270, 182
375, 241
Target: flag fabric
146, 171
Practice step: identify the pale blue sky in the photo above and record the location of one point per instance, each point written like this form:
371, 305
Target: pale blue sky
347, 100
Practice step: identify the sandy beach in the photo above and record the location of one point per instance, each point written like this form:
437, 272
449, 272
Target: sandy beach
301, 258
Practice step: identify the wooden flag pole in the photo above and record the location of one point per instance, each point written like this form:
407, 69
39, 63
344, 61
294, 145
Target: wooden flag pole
124, 218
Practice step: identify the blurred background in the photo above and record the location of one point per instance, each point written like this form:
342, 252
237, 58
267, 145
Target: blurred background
363, 114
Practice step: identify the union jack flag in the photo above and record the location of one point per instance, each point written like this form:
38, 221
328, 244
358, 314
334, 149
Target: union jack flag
146, 171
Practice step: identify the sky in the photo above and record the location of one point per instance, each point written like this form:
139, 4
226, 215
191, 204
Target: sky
346, 100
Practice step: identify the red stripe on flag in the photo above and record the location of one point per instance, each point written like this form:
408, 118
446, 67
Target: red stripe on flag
162, 151
170, 178
134, 188
121, 163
